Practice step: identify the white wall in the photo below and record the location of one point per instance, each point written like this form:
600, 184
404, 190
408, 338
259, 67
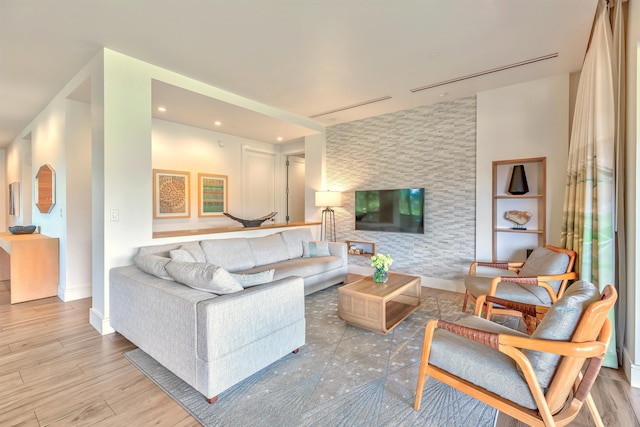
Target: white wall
521, 121
78, 207
194, 150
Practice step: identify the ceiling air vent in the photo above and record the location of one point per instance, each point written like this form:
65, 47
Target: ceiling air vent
348, 107
484, 73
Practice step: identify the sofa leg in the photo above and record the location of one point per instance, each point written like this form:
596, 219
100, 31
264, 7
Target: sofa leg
213, 399
295, 351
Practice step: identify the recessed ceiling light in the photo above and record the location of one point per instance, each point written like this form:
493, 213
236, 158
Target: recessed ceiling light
217, 123
279, 138
443, 94
434, 54
162, 109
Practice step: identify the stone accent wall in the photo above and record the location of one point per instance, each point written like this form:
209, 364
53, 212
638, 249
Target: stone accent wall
432, 147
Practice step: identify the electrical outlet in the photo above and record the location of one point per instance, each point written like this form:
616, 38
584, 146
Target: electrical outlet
115, 215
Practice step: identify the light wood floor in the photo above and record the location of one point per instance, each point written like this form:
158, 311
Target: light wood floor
56, 370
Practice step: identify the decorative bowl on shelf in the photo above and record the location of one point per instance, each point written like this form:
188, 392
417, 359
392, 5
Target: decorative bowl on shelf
22, 229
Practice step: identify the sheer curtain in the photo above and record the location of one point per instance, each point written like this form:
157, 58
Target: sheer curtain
590, 197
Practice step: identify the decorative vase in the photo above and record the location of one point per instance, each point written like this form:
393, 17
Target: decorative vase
518, 184
380, 275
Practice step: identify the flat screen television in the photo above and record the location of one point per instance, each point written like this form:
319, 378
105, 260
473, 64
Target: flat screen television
399, 210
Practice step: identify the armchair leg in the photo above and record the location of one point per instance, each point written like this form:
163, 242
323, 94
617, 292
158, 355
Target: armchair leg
464, 301
594, 411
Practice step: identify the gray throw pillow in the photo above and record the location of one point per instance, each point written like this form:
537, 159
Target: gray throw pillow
559, 324
154, 265
203, 277
315, 249
252, 279
181, 255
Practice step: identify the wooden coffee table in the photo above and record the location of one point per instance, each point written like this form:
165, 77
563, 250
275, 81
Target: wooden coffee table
379, 307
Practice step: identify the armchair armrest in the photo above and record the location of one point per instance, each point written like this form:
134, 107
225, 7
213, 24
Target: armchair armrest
507, 265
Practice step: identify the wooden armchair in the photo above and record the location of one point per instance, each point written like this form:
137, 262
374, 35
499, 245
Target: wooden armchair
536, 379
541, 280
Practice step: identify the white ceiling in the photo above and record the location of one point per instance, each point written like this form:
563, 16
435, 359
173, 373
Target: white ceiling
305, 57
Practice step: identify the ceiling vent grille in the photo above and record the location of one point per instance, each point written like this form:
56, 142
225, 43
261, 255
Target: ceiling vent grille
484, 73
348, 107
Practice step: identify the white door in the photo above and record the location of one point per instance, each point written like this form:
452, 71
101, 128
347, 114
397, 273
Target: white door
258, 183
295, 173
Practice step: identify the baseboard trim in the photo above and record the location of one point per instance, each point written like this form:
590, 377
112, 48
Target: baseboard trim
631, 370
429, 282
73, 294
101, 325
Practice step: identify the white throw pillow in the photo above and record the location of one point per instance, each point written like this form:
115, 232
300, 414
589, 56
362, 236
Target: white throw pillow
154, 265
181, 255
315, 249
252, 279
203, 277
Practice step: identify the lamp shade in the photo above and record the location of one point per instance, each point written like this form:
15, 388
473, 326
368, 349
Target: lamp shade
328, 198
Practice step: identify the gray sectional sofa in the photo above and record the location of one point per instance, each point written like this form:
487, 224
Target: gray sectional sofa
215, 341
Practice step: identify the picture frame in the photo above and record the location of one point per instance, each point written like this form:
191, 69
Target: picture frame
171, 194
14, 199
213, 194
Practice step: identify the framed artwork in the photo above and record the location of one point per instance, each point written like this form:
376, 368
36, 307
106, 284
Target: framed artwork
171, 191
212, 191
14, 198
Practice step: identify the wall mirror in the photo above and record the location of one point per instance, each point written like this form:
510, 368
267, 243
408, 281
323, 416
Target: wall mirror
45, 189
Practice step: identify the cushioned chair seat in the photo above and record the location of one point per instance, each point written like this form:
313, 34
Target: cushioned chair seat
300, 266
480, 364
529, 294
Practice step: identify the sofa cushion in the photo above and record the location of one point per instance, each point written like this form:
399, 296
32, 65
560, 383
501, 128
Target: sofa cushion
154, 265
315, 248
195, 250
268, 249
247, 280
230, 254
559, 324
203, 277
160, 250
294, 238
303, 267
181, 255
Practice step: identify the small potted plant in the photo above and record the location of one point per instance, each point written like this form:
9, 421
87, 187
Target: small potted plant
381, 263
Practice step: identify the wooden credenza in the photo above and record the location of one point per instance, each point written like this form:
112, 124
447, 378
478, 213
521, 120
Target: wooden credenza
31, 263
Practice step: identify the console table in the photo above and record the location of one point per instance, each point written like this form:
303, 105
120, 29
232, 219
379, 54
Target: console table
31, 263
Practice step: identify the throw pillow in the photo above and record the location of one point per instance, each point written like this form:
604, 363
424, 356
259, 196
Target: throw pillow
315, 249
559, 324
181, 255
203, 277
154, 265
252, 279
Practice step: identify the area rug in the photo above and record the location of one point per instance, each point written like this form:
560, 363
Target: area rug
342, 376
